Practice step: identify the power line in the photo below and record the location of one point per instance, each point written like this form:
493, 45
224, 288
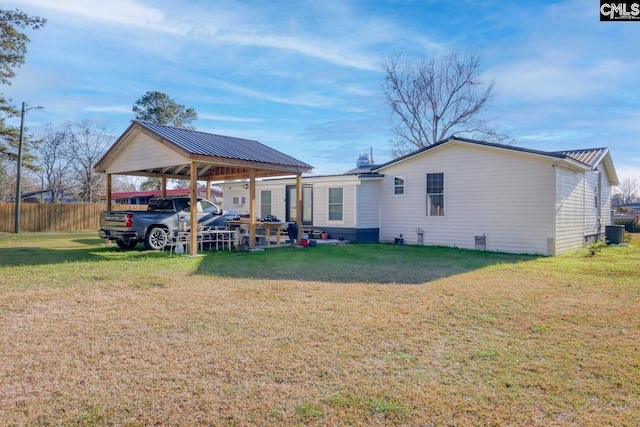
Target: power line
86, 128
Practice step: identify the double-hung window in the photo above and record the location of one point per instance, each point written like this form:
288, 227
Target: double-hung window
265, 203
335, 204
435, 194
398, 185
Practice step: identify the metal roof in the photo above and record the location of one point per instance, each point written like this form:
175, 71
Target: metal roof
589, 156
216, 157
209, 144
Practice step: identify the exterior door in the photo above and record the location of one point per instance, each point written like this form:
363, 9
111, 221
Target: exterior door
307, 204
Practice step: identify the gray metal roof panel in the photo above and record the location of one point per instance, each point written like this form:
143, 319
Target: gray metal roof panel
589, 156
208, 144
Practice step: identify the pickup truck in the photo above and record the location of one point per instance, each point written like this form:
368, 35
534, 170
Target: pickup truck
163, 217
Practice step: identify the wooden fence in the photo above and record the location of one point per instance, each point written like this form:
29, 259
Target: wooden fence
55, 217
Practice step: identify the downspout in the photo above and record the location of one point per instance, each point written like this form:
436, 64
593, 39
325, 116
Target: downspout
599, 207
584, 207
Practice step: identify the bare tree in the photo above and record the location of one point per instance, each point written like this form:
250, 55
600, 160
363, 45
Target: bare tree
627, 192
122, 183
432, 99
54, 161
89, 143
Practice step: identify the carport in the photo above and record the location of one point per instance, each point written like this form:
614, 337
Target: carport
151, 150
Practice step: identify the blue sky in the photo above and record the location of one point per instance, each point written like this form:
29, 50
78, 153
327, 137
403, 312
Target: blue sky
304, 77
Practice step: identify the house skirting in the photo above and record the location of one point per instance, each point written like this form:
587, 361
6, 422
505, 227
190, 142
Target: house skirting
353, 235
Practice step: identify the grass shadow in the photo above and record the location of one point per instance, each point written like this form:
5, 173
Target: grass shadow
25, 256
371, 263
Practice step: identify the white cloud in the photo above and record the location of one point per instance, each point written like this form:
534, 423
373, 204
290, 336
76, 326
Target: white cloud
116, 12
313, 48
628, 170
222, 118
118, 109
308, 99
552, 75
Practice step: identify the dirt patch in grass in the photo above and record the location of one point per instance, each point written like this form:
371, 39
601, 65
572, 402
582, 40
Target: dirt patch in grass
140, 339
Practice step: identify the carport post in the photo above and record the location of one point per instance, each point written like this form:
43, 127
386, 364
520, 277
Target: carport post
252, 208
108, 191
193, 210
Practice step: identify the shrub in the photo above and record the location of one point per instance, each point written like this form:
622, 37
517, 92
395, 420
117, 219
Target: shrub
595, 247
630, 225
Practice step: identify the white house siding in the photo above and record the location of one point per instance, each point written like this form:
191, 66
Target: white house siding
506, 196
232, 190
320, 187
278, 197
368, 204
606, 197
592, 225
570, 217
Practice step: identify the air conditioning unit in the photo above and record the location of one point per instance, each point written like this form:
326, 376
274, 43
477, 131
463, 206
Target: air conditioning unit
237, 200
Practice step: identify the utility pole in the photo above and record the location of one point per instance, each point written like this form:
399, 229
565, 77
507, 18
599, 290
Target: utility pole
19, 168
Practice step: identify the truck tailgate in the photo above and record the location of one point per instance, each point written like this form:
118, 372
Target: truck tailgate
113, 220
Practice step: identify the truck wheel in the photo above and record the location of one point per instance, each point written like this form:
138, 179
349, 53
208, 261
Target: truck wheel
156, 238
126, 244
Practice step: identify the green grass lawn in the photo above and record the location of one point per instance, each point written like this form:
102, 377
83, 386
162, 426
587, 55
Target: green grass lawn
353, 335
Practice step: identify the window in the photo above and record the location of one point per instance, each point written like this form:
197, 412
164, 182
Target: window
265, 203
435, 194
209, 207
335, 204
398, 185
